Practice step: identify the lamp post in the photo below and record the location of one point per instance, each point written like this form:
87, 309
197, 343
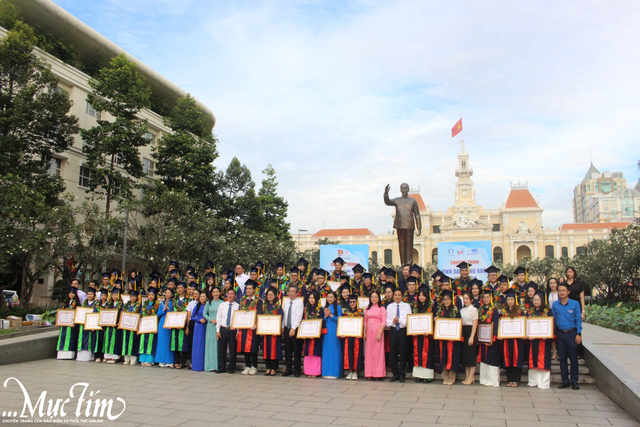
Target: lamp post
299, 230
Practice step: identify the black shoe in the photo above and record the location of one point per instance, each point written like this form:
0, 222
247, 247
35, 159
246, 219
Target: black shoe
287, 373
564, 385
297, 374
231, 371
220, 371
428, 380
575, 386
418, 380
394, 378
402, 378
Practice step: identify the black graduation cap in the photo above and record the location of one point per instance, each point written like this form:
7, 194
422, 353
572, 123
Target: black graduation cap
208, 264
91, 289
476, 282
152, 290
412, 279
343, 287
181, 284
511, 293
107, 275
391, 273
294, 270
254, 270
134, 293
487, 291
210, 275
251, 282
519, 270
154, 275
118, 282
437, 273
503, 279
73, 290
367, 276
415, 267
389, 286
321, 272
533, 285
302, 261
423, 286
173, 264
383, 270
357, 268
115, 272
463, 264
174, 272
314, 271
541, 294
227, 271
259, 265
104, 291
338, 260
492, 269
280, 265
353, 297
193, 285
446, 293
116, 291
190, 268
345, 277
172, 280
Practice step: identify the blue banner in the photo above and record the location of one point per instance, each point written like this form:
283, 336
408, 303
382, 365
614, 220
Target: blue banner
478, 254
352, 255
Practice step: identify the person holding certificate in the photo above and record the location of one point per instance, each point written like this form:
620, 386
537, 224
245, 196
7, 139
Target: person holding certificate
247, 341
375, 320
397, 324
312, 346
86, 339
424, 348
512, 348
164, 355
331, 351
179, 336
272, 344
112, 335
199, 333
211, 340
103, 304
68, 336
149, 341
450, 351
469, 316
352, 347
489, 354
540, 348
131, 339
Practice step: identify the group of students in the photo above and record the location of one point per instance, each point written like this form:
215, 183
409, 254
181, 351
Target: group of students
210, 343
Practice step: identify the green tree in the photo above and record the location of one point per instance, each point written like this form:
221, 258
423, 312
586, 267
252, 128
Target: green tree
112, 147
34, 119
9, 15
238, 204
273, 206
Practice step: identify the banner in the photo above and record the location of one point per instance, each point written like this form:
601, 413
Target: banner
352, 255
478, 254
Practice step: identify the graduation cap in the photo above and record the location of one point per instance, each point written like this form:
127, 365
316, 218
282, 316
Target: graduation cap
134, 293
519, 270
73, 290
412, 279
438, 273
353, 297
338, 260
463, 264
106, 275
503, 279
358, 268
210, 276
173, 264
181, 284
193, 285
475, 282
280, 265
254, 270
303, 261
487, 291
314, 271
343, 287
91, 289
416, 268
227, 271
383, 270
173, 280
511, 293
115, 272
208, 264
424, 287
492, 269
252, 283
391, 273
152, 290
367, 276
389, 286
104, 291
154, 275
118, 282
321, 272
532, 285
345, 277
259, 265
446, 293
116, 291
294, 270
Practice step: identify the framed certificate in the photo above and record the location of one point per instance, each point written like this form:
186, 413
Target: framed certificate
91, 322
80, 313
129, 321
448, 329
244, 319
148, 325
108, 318
334, 285
350, 326
363, 302
269, 324
65, 317
540, 327
511, 328
125, 298
485, 333
420, 324
175, 319
311, 328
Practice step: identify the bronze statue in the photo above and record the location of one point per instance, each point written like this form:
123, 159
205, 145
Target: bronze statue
407, 217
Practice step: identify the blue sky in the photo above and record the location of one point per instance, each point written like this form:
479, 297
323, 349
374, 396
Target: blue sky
345, 97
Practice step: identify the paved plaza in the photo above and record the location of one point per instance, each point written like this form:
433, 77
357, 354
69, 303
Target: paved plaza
167, 397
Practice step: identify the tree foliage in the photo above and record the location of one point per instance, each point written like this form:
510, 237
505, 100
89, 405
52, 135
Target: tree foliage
238, 205
274, 207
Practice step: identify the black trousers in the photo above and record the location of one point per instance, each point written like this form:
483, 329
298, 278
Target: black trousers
567, 348
513, 375
227, 340
271, 364
181, 357
251, 360
398, 345
292, 350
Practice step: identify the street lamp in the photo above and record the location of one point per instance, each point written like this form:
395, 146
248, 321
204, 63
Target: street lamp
299, 230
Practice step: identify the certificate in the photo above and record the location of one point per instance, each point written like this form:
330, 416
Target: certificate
129, 321
350, 326
65, 317
485, 333
175, 319
269, 324
448, 329
148, 325
363, 302
311, 328
540, 327
108, 318
91, 322
334, 285
511, 328
420, 324
244, 319
323, 302
125, 298
80, 313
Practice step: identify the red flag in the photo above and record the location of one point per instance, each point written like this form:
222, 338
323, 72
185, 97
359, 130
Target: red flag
457, 128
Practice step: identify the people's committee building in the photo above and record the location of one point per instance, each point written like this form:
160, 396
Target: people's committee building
514, 228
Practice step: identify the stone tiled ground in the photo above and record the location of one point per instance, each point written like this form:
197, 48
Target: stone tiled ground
166, 397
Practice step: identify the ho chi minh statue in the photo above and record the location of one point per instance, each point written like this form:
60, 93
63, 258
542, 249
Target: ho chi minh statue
407, 220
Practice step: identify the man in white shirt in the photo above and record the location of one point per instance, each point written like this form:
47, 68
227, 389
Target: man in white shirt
81, 295
397, 322
226, 335
293, 309
241, 277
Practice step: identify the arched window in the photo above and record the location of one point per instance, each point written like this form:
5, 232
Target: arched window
434, 255
374, 255
497, 254
579, 250
548, 251
388, 256
464, 165
523, 252
565, 252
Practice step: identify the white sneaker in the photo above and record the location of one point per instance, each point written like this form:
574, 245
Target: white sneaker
246, 371
253, 371
354, 376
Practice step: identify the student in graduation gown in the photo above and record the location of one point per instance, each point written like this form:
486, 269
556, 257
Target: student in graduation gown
450, 351
331, 349
199, 333
344, 292
148, 342
87, 339
247, 341
540, 348
68, 335
164, 355
352, 347
272, 344
194, 299
98, 345
367, 285
313, 346
424, 347
211, 340
375, 320
489, 353
409, 297
113, 335
180, 337
469, 314
476, 293
131, 339
512, 348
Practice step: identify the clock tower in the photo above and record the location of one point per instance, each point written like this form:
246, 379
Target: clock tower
465, 194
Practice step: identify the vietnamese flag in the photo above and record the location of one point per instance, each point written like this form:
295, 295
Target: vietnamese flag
457, 128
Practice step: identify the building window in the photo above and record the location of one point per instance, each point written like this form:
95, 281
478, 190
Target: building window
92, 111
150, 137
147, 166
464, 165
119, 159
85, 177
55, 166
579, 250
497, 254
374, 255
86, 146
565, 252
605, 187
436, 229
388, 257
496, 227
548, 251
434, 255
